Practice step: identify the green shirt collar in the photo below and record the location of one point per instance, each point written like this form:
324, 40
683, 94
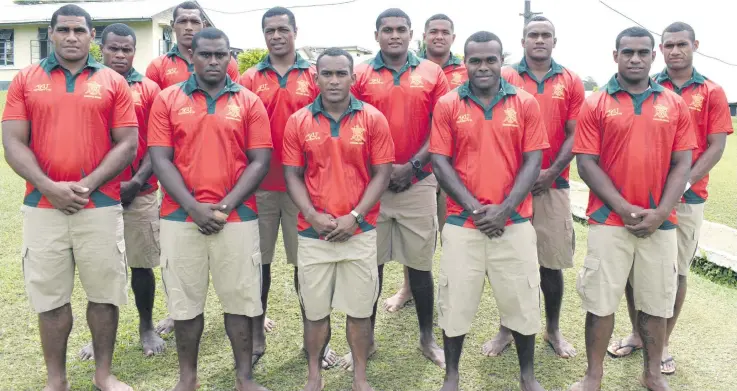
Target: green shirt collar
133, 77
175, 52
696, 77
299, 63
612, 87
378, 61
316, 106
452, 60
464, 91
51, 62
190, 86
522, 67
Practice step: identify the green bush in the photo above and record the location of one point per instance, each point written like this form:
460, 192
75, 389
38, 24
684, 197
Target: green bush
714, 272
250, 58
96, 52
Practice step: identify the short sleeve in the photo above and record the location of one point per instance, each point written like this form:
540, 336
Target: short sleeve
292, 153
152, 91
124, 113
587, 139
314, 88
233, 70
685, 132
441, 87
159, 126
246, 80
257, 126
357, 89
576, 98
15, 104
535, 136
382, 145
152, 72
442, 134
720, 120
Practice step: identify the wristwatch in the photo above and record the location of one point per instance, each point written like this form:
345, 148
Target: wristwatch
416, 164
358, 216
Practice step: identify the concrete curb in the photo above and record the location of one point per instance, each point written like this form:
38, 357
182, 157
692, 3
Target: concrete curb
717, 242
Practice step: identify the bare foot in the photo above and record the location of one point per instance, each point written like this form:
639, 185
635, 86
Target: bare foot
530, 385
269, 325
587, 384
433, 353
450, 385
330, 359
184, 385
314, 385
87, 353
398, 301
111, 383
655, 383
165, 326
562, 348
362, 386
667, 364
152, 344
62, 385
248, 385
625, 346
347, 361
497, 345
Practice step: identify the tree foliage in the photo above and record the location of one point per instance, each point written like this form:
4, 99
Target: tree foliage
95, 51
250, 58
589, 84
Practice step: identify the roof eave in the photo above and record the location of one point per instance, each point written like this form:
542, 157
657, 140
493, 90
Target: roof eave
94, 21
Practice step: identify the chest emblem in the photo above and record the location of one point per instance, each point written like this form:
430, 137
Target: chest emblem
262, 88
94, 90
42, 88
661, 113
613, 112
358, 136
559, 91
136, 96
456, 79
188, 110
303, 88
510, 118
233, 112
375, 81
415, 81
697, 102
464, 118
171, 71
314, 136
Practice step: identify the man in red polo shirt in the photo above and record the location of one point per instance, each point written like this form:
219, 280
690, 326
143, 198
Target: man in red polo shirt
439, 36
69, 129
709, 110
176, 66
405, 88
560, 94
337, 162
285, 83
633, 147
488, 123
208, 214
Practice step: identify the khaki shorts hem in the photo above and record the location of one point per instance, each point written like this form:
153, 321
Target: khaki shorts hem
117, 303
522, 330
316, 318
186, 316
49, 308
654, 312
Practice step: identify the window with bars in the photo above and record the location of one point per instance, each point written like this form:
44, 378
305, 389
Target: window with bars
165, 42
7, 47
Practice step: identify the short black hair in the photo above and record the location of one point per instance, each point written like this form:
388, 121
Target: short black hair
119, 29
278, 11
392, 13
537, 18
209, 33
335, 52
71, 10
680, 26
187, 5
439, 17
483, 36
635, 32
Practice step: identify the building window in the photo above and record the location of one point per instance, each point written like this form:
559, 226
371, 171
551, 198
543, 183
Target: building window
6, 48
41, 47
166, 42
98, 34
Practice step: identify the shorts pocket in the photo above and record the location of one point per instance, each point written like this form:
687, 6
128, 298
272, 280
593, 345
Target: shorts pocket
443, 299
256, 259
23, 257
155, 232
587, 275
120, 245
670, 281
375, 281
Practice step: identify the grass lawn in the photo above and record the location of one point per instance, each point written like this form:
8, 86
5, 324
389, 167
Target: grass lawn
702, 344
721, 206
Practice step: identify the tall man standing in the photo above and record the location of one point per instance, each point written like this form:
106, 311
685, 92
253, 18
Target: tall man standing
633, 146
285, 83
560, 94
337, 162
208, 215
69, 129
405, 88
709, 110
438, 37
488, 123
137, 189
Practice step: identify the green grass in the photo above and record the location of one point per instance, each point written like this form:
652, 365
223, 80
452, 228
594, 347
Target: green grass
703, 343
721, 206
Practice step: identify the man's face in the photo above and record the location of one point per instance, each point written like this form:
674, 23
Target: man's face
186, 25
71, 37
678, 49
279, 35
394, 36
118, 53
539, 40
211, 59
335, 78
484, 63
634, 58
439, 38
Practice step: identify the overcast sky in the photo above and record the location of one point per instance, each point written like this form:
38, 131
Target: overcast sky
586, 29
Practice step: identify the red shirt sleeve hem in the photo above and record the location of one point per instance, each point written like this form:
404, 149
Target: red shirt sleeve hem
586, 151
158, 144
13, 117
537, 147
126, 124
259, 146
439, 152
382, 161
292, 163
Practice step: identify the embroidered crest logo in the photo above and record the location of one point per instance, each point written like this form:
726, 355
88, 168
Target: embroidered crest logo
661, 113
510, 118
415, 81
456, 79
303, 88
559, 91
358, 135
233, 112
314, 136
463, 118
94, 90
697, 102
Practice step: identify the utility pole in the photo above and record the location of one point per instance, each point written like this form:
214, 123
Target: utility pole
528, 12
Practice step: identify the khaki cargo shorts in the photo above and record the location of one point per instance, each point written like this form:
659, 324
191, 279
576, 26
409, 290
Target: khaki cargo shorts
442, 208
407, 225
615, 256
141, 223
509, 263
275, 208
54, 243
232, 256
343, 276
690, 219
553, 224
